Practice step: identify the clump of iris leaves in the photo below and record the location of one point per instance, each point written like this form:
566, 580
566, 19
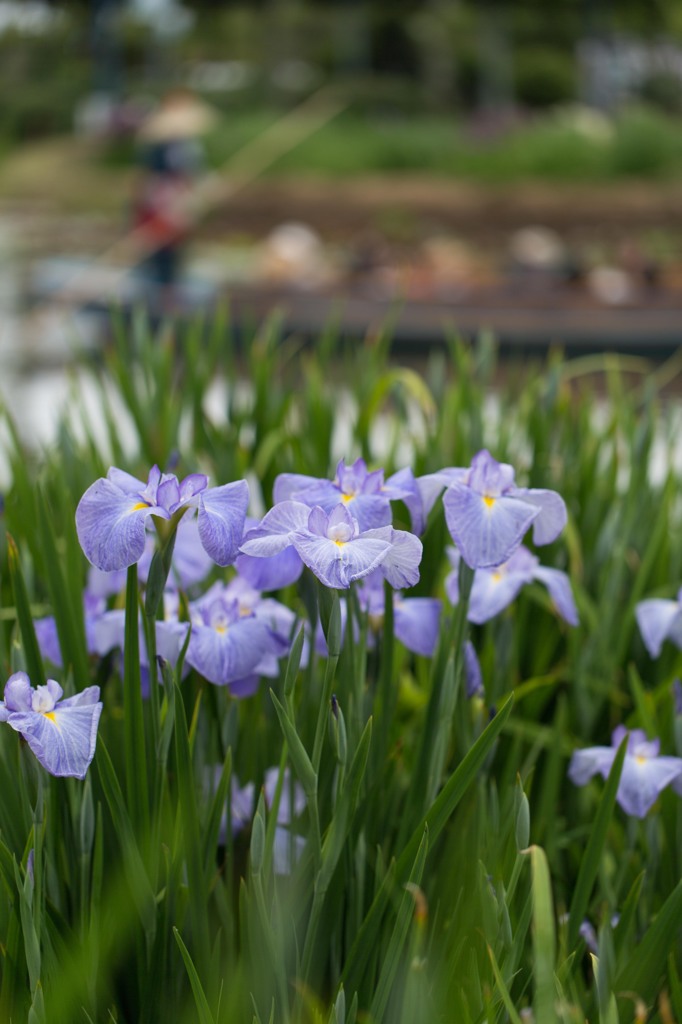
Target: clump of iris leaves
463, 877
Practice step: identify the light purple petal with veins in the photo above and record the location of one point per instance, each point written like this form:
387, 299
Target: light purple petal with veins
111, 525
553, 516
487, 531
559, 587
222, 511
400, 566
337, 565
492, 592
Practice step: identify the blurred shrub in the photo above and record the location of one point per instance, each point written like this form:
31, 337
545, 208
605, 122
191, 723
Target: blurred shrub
647, 143
544, 77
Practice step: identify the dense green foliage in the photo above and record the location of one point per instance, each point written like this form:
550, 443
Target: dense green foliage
449, 862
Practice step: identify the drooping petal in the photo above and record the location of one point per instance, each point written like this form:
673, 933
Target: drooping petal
416, 623
492, 592
590, 761
559, 587
111, 525
643, 779
658, 619
486, 530
400, 566
553, 516
222, 511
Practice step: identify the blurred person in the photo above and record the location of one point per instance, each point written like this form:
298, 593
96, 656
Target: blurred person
171, 162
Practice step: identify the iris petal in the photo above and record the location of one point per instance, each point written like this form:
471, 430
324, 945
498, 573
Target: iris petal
222, 511
111, 525
486, 531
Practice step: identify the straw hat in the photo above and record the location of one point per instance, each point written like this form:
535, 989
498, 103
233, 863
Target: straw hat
179, 116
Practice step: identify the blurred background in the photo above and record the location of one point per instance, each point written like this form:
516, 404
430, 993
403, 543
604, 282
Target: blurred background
456, 165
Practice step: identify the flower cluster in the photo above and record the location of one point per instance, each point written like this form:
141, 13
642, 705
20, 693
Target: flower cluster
340, 529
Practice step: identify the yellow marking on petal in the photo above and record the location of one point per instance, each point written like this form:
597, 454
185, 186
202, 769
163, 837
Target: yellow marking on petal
345, 498
488, 500
244, 611
221, 629
496, 577
51, 715
340, 543
139, 505
641, 760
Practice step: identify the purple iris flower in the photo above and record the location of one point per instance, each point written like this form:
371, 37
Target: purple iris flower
494, 589
61, 733
364, 492
236, 637
111, 516
658, 620
334, 547
645, 774
416, 620
487, 516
